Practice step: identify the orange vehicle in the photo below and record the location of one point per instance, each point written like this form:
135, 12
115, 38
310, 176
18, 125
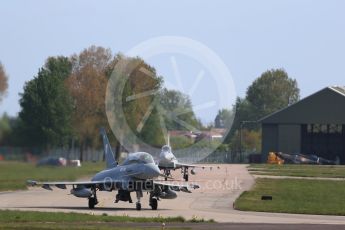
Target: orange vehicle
274, 159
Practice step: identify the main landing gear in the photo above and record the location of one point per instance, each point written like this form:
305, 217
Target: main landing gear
184, 171
93, 199
153, 201
124, 195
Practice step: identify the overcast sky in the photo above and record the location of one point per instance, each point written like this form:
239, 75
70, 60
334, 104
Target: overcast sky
305, 37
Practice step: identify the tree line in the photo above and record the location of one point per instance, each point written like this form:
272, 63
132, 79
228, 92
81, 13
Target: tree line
64, 104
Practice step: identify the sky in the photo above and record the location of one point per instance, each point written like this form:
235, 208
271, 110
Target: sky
305, 37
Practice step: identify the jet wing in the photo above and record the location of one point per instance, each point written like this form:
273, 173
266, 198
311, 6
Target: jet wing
177, 186
181, 165
63, 184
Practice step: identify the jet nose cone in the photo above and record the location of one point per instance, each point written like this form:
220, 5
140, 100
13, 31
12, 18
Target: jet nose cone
152, 171
166, 157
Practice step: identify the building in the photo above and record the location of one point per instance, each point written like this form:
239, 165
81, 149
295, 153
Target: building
182, 133
314, 125
214, 134
211, 135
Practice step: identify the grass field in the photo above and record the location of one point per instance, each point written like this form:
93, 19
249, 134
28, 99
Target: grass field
13, 175
326, 171
49, 220
295, 196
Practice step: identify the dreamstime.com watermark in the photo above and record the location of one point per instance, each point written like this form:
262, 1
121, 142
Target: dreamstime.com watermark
214, 71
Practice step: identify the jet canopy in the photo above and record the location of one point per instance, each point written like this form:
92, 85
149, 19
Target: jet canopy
166, 148
138, 158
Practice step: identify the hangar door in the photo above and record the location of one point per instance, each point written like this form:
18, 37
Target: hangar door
327, 141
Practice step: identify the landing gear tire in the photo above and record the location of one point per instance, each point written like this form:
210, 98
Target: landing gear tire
139, 196
186, 177
93, 199
92, 202
154, 204
138, 206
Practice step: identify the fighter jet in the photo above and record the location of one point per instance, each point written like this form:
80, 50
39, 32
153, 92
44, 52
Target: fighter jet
304, 159
135, 174
167, 162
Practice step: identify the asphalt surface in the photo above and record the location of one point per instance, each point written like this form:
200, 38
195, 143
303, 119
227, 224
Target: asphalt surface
237, 226
219, 189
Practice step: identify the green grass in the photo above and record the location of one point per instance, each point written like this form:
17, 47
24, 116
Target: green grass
325, 171
58, 217
51, 226
48, 220
13, 175
295, 196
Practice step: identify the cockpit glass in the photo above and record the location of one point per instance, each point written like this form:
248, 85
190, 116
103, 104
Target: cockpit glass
146, 158
138, 158
166, 149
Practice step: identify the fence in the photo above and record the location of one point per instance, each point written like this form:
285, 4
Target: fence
32, 154
188, 156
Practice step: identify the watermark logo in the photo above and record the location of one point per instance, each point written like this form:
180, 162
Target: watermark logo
213, 71
234, 184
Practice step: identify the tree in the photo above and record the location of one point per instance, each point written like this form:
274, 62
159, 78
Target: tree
272, 91
250, 140
5, 127
46, 105
223, 119
244, 112
3, 81
87, 86
180, 114
141, 113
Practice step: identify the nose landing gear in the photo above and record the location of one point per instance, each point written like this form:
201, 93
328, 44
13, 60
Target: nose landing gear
185, 173
167, 173
139, 196
154, 203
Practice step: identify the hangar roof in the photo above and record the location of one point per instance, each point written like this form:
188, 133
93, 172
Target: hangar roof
326, 106
340, 89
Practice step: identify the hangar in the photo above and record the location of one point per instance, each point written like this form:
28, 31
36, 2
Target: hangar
314, 125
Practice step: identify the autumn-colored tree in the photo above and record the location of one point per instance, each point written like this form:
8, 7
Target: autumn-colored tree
87, 86
138, 100
91, 70
3, 81
149, 110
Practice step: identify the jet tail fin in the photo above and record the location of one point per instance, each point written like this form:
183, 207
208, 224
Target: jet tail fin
108, 152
